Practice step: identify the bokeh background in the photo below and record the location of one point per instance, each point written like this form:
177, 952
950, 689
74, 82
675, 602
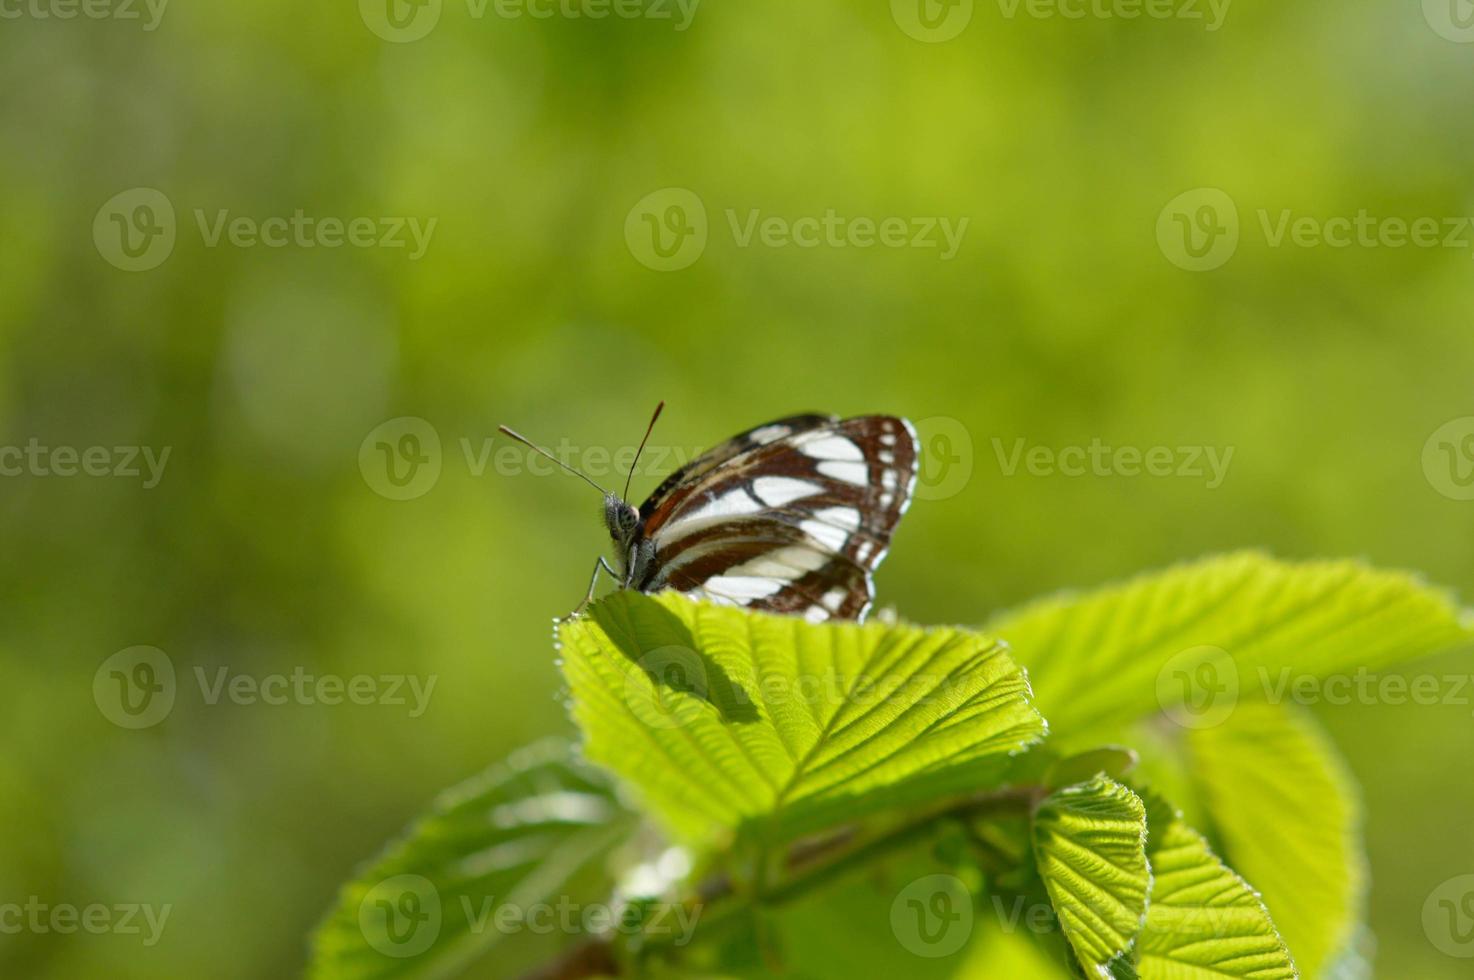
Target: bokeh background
1064, 317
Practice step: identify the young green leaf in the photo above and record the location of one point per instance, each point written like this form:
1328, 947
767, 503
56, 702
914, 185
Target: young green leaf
731, 720
504, 841
1113, 761
1201, 636
1203, 920
1090, 848
1287, 814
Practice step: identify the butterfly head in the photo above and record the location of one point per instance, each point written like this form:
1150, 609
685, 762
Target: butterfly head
623, 520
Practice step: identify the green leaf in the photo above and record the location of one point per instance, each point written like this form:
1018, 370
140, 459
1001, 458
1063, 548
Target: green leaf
1109, 657
1355, 961
513, 837
1013, 954
1287, 814
1203, 920
727, 720
1113, 761
1090, 847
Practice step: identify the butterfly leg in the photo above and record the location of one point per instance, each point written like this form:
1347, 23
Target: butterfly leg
629, 565
600, 565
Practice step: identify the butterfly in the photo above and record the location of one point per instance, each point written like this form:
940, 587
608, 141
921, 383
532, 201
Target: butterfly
791, 516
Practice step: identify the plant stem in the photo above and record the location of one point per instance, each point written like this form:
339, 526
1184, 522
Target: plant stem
810, 865
813, 864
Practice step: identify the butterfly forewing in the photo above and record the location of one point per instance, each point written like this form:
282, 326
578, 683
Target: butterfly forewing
790, 517
680, 483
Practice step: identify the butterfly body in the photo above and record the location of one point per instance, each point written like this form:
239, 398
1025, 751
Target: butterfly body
791, 516
632, 550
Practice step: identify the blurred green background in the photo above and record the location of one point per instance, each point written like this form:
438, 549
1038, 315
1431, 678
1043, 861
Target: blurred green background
1064, 317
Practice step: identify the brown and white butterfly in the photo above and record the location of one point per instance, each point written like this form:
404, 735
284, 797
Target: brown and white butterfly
792, 516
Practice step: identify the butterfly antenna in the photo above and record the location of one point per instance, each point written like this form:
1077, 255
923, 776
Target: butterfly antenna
538, 449
648, 429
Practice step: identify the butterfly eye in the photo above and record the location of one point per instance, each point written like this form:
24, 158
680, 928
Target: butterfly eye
629, 518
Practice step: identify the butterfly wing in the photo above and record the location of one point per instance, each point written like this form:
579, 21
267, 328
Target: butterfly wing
688, 477
794, 523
